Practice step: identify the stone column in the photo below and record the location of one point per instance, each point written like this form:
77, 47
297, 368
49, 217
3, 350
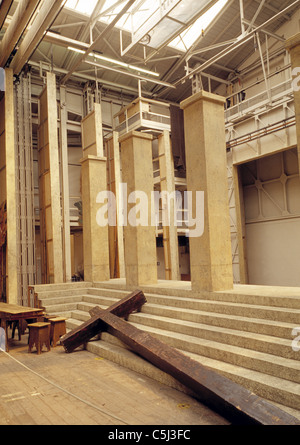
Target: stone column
293, 46
95, 237
139, 234
8, 185
49, 185
210, 253
167, 184
93, 177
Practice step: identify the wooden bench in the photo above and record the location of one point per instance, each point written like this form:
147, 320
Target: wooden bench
39, 335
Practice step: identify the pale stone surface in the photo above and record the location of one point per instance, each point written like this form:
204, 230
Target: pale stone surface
293, 46
167, 184
93, 171
49, 184
10, 170
210, 254
95, 237
140, 241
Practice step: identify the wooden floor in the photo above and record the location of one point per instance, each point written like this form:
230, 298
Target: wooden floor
56, 388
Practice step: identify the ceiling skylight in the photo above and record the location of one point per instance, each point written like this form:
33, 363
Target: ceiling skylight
83, 6
186, 39
142, 11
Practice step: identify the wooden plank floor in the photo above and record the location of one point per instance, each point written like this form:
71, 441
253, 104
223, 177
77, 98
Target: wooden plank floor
106, 394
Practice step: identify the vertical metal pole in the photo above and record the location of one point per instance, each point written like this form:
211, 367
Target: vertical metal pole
242, 15
263, 66
267, 53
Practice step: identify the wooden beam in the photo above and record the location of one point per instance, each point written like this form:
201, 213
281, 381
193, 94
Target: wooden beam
16, 28
41, 23
229, 399
92, 327
4, 9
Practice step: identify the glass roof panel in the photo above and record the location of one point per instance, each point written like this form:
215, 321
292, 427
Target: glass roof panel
186, 39
142, 10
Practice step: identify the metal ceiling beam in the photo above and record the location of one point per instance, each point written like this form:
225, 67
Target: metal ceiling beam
136, 76
4, 10
84, 32
16, 28
57, 39
268, 33
210, 47
43, 20
271, 8
112, 85
183, 58
184, 27
264, 31
98, 39
252, 22
241, 41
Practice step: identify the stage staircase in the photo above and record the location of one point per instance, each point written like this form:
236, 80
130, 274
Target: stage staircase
244, 335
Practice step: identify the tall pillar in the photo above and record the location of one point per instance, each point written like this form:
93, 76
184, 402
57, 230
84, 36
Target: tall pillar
210, 254
66, 234
293, 46
139, 236
93, 176
116, 243
8, 184
167, 184
49, 185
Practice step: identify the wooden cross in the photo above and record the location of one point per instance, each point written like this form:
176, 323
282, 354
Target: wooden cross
94, 325
221, 394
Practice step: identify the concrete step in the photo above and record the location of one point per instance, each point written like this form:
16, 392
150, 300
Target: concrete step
274, 389
260, 342
61, 293
229, 308
248, 340
260, 326
51, 301
61, 307
62, 286
241, 356
259, 311
266, 360
106, 292
286, 299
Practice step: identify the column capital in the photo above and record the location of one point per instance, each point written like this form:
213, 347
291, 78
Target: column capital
202, 96
293, 41
92, 158
136, 134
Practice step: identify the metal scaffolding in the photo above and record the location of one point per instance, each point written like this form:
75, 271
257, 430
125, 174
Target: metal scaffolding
25, 188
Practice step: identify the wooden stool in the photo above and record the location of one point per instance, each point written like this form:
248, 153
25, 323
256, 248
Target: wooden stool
58, 328
47, 317
39, 335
